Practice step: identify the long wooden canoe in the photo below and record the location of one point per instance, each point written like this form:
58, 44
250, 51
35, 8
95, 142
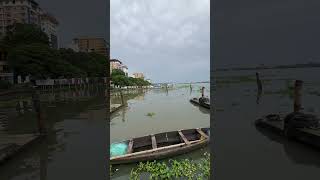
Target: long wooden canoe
197, 102
162, 145
276, 123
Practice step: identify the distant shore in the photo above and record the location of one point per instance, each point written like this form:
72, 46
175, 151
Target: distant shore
309, 65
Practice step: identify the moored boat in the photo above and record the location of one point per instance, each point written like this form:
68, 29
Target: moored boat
205, 103
158, 146
299, 126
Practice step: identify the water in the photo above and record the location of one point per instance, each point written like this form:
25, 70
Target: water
246, 152
172, 111
74, 147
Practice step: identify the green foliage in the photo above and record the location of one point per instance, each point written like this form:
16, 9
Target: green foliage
5, 84
119, 78
29, 53
174, 169
117, 72
25, 34
151, 114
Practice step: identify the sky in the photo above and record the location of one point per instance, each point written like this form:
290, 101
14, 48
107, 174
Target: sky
270, 32
168, 41
78, 18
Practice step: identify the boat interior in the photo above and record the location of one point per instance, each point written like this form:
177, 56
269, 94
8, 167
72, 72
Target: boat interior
166, 139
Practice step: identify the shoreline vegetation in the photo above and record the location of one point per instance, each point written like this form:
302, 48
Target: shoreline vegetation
262, 67
170, 169
119, 79
29, 54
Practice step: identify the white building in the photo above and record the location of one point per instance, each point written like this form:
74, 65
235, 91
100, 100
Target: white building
124, 68
49, 25
117, 64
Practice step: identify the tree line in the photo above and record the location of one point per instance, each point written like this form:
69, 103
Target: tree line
29, 53
119, 78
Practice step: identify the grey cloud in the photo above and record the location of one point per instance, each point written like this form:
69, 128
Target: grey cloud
167, 40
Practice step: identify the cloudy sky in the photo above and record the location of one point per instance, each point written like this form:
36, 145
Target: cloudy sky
271, 32
78, 18
166, 40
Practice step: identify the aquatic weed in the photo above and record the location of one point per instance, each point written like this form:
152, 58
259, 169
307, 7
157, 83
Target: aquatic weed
174, 169
151, 114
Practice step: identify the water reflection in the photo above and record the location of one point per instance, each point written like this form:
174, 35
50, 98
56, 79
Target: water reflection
297, 152
288, 159
70, 124
171, 111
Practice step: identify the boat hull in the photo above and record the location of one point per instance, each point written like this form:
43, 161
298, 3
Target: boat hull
196, 101
160, 154
162, 145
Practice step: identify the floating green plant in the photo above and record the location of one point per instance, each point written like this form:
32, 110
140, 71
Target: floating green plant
174, 169
151, 114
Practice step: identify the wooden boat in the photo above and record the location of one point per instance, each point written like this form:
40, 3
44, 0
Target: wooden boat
205, 104
302, 131
162, 145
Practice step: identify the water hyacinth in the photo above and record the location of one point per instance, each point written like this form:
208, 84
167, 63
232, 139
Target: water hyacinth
174, 169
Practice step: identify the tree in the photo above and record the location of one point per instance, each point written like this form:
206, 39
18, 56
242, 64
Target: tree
24, 34
29, 53
117, 72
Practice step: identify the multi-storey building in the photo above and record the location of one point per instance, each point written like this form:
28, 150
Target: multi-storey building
5, 72
124, 68
91, 44
18, 11
27, 12
117, 64
49, 25
138, 75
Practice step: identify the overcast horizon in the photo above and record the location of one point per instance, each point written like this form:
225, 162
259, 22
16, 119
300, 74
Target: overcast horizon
166, 43
270, 32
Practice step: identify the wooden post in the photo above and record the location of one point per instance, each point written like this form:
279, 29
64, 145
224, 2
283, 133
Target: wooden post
202, 92
122, 100
36, 104
259, 84
297, 95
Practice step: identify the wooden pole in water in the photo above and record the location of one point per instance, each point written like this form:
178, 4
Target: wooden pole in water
202, 92
259, 84
36, 104
122, 100
297, 95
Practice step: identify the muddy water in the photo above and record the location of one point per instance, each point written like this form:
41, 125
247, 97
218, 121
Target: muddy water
245, 152
171, 111
74, 147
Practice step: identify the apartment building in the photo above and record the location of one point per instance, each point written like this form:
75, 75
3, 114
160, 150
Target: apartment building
138, 75
18, 11
91, 44
49, 25
27, 12
5, 72
117, 64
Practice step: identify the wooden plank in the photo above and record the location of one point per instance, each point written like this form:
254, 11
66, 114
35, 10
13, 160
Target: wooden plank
158, 149
130, 148
202, 133
154, 143
183, 138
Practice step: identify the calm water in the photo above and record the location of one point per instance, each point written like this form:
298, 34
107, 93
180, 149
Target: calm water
74, 148
242, 150
172, 111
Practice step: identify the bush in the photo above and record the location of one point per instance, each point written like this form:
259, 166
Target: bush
5, 84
